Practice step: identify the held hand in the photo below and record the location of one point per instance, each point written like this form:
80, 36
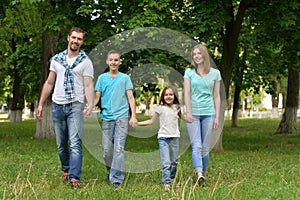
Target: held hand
87, 112
133, 122
189, 118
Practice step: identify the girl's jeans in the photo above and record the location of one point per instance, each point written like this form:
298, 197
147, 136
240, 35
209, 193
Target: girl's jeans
168, 148
67, 123
114, 134
200, 133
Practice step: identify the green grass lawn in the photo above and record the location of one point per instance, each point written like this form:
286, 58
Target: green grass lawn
255, 164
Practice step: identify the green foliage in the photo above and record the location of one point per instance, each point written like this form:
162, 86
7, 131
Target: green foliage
270, 30
147, 13
21, 47
261, 61
4, 5
6, 85
280, 25
21, 38
209, 17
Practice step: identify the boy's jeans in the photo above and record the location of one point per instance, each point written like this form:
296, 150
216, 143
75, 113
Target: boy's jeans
114, 134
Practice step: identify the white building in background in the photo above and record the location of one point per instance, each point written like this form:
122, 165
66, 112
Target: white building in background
267, 101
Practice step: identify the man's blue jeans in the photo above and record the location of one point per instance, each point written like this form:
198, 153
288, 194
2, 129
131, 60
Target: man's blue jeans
67, 123
168, 148
200, 134
114, 134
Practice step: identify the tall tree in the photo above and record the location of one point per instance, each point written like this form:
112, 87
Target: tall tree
290, 31
288, 123
238, 80
17, 33
282, 26
44, 129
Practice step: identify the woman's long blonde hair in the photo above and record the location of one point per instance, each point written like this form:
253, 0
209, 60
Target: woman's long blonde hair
205, 56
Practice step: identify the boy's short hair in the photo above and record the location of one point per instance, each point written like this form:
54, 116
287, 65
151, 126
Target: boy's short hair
113, 52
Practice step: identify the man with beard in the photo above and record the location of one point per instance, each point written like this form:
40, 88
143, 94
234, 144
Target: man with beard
71, 76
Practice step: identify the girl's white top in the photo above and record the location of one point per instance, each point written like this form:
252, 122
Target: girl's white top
168, 120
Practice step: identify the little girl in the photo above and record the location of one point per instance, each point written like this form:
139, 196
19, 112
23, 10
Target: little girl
168, 111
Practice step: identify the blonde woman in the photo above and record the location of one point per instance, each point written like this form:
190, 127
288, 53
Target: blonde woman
202, 101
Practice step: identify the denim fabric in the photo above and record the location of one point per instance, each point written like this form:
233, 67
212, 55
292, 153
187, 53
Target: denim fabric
68, 123
200, 134
114, 134
168, 148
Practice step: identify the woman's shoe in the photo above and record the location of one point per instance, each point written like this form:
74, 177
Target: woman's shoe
201, 180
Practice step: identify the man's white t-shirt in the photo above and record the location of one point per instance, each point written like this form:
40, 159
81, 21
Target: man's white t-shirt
85, 68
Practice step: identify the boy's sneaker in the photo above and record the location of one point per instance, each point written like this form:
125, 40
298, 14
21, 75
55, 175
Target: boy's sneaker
167, 186
65, 176
117, 185
74, 183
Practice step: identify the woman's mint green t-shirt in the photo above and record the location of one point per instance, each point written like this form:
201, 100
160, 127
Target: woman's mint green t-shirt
201, 91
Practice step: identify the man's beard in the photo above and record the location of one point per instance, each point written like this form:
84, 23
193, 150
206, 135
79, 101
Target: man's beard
74, 49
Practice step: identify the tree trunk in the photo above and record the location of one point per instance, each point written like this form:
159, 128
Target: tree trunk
283, 99
16, 104
217, 144
275, 101
31, 114
236, 106
238, 88
15, 116
288, 123
230, 39
44, 128
229, 103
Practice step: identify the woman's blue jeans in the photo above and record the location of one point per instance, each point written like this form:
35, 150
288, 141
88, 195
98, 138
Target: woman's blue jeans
67, 123
114, 134
200, 134
168, 148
